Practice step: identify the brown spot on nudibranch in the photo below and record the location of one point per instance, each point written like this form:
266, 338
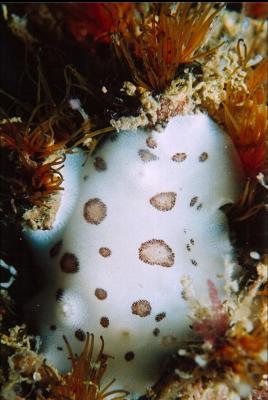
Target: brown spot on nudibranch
164, 201
146, 155
188, 247
55, 250
129, 356
199, 207
59, 294
113, 137
52, 327
142, 308
160, 316
95, 211
156, 252
203, 157
101, 294
100, 164
194, 262
156, 331
104, 321
80, 335
151, 143
179, 157
105, 252
69, 263
193, 201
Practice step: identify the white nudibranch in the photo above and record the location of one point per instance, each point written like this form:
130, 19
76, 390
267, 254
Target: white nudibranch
143, 212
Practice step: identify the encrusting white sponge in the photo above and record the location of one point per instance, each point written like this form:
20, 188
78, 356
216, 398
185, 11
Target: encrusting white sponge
147, 214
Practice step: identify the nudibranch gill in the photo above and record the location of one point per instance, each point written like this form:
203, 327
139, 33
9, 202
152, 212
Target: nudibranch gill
136, 218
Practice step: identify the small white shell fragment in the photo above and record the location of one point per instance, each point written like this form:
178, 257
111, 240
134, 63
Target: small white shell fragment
37, 376
201, 361
145, 213
255, 255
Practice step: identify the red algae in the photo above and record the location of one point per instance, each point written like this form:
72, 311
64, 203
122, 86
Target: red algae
96, 20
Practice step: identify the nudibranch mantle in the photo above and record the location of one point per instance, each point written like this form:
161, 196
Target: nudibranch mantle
143, 213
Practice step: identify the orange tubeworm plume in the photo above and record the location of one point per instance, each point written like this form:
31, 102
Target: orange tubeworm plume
154, 46
84, 380
245, 114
